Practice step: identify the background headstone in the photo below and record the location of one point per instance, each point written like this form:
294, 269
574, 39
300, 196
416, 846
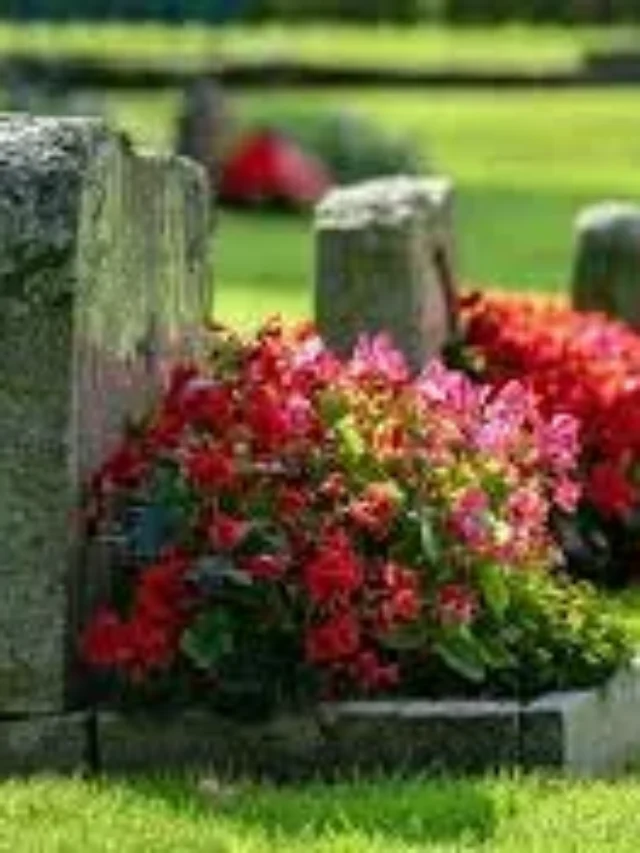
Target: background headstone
606, 273
385, 263
102, 273
204, 126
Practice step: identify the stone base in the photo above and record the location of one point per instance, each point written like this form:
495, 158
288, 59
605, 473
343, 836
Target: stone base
589, 733
45, 744
586, 733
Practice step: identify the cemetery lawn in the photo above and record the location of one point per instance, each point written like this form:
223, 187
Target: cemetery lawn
495, 815
524, 163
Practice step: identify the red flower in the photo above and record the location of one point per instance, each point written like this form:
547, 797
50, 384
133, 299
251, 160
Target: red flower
334, 488
265, 566
376, 509
180, 377
291, 502
335, 570
610, 491
402, 596
126, 467
209, 405
103, 643
372, 675
162, 590
211, 468
165, 431
226, 532
334, 640
456, 605
582, 364
266, 417
150, 638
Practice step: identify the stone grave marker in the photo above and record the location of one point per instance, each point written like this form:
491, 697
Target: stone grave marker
386, 263
606, 271
204, 125
103, 273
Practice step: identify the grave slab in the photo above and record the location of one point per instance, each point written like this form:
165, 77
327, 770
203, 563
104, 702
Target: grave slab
589, 733
103, 275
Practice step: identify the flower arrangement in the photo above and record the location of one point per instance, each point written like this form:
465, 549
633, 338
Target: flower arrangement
292, 526
588, 366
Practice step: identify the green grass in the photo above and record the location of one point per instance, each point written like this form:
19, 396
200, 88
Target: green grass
494, 815
524, 163
508, 47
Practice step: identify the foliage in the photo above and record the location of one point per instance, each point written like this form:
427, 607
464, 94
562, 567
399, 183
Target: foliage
352, 146
292, 526
361, 11
589, 366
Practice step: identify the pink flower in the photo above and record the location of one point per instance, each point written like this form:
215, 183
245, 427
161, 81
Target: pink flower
525, 506
470, 517
376, 358
436, 384
559, 442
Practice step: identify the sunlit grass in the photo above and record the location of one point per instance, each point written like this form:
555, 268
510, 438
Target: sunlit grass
493, 815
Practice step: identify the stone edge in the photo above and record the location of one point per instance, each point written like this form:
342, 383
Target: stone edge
586, 733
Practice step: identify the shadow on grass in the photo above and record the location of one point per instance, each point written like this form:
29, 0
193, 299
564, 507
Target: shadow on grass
391, 811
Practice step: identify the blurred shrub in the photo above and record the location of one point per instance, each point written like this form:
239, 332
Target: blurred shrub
559, 11
401, 11
365, 11
352, 146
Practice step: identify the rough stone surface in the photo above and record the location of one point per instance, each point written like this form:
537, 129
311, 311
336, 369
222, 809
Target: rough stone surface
385, 263
423, 736
286, 748
340, 740
102, 268
58, 744
606, 274
591, 732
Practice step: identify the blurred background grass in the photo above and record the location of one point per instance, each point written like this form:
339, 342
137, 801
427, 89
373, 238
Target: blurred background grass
524, 162
516, 46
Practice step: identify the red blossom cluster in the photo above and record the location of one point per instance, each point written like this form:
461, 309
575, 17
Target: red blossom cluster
334, 503
583, 364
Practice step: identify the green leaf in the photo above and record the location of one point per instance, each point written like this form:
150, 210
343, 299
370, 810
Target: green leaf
215, 570
428, 538
209, 639
495, 653
334, 407
351, 441
460, 651
407, 638
494, 587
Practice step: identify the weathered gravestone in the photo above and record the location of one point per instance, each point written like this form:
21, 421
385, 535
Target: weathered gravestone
102, 274
606, 273
385, 263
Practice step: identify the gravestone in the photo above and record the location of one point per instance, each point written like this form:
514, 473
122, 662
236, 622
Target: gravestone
204, 125
386, 263
606, 272
103, 274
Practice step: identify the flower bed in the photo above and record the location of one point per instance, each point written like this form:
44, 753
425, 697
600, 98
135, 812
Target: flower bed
288, 527
588, 366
